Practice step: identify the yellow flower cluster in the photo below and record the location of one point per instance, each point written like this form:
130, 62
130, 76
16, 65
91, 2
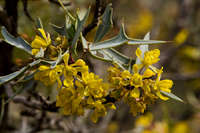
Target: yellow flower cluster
143, 86
78, 89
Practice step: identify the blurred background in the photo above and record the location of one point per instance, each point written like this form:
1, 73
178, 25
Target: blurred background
177, 21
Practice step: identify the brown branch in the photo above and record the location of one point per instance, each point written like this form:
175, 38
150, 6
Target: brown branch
25, 5
34, 104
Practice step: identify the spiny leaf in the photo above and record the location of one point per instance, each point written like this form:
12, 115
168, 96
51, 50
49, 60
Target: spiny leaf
171, 95
79, 29
138, 41
116, 56
121, 39
118, 40
9, 77
105, 24
17, 42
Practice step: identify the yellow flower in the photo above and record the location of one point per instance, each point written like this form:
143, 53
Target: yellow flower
181, 37
49, 76
150, 57
135, 93
41, 41
181, 127
136, 80
148, 73
99, 111
164, 85
145, 120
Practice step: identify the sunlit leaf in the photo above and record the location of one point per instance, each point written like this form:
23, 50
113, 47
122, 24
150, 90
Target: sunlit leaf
121, 39
17, 42
118, 40
84, 42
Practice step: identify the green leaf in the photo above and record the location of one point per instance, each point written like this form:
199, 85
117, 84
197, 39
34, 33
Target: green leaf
17, 42
141, 42
121, 39
118, 40
116, 57
105, 24
61, 30
143, 48
79, 29
39, 23
9, 77
84, 42
171, 95
113, 56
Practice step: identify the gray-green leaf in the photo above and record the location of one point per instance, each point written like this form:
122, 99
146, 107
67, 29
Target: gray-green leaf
118, 40
105, 24
171, 95
17, 42
9, 77
79, 29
